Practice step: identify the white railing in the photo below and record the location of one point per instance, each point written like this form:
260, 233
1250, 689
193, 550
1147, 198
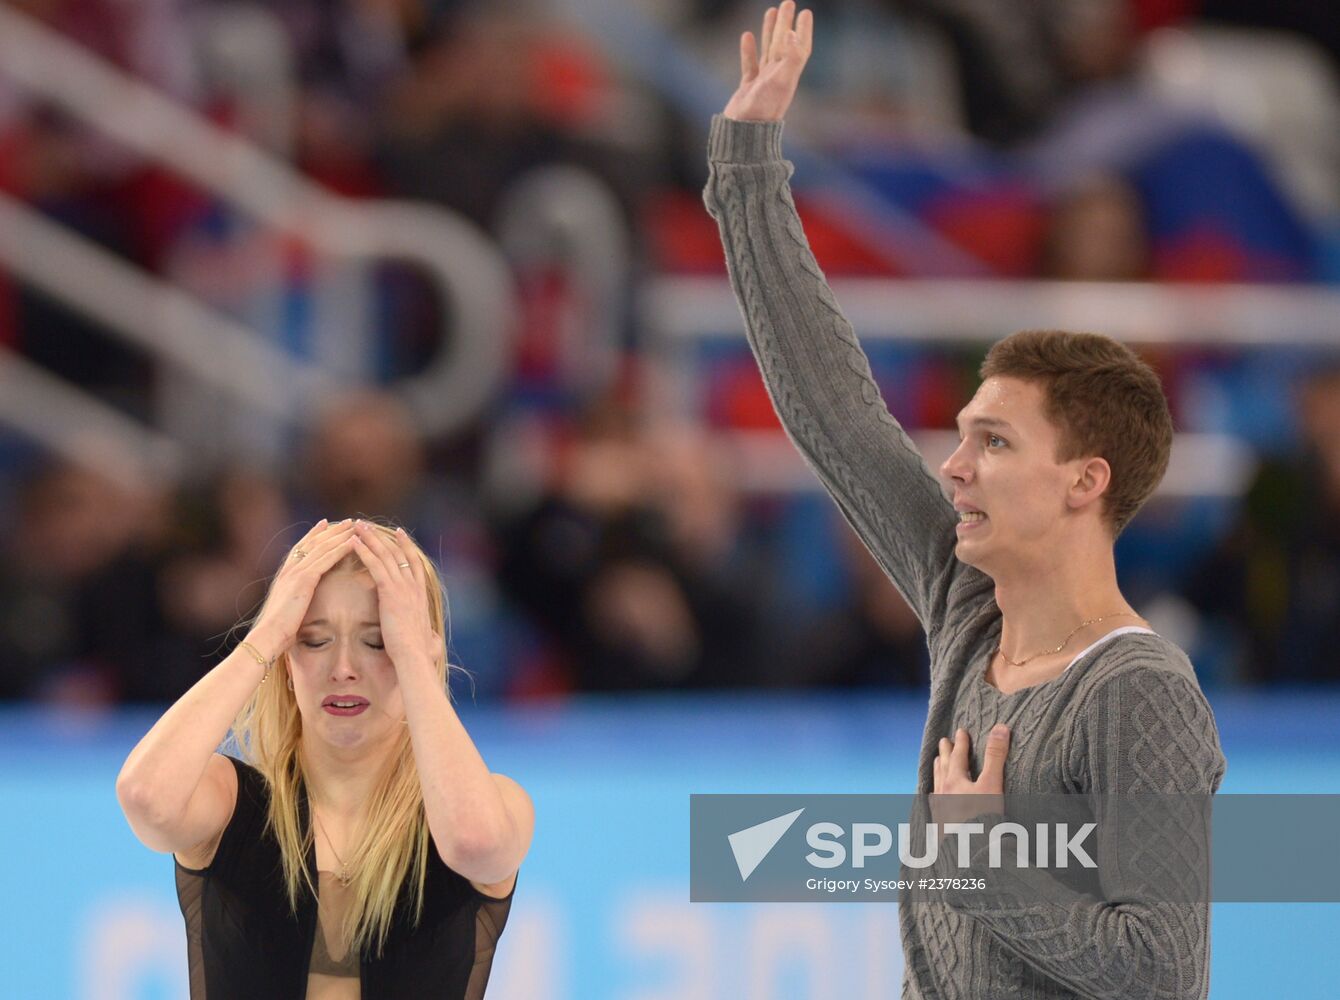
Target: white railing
462, 262
72, 424
154, 315
683, 312
984, 311
1202, 465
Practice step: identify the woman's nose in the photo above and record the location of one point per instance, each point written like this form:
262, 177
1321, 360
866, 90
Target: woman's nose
342, 664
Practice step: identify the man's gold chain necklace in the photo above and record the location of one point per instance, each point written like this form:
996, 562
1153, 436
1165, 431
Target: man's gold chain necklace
1052, 652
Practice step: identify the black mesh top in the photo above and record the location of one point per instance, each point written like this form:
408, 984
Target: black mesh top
243, 939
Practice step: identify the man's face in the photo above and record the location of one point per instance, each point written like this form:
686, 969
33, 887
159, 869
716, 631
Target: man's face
1004, 468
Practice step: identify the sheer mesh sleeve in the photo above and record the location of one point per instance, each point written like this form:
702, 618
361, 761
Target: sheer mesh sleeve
190, 890
191, 881
489, 922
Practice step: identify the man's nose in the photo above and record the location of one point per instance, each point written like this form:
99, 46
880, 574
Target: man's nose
955, 467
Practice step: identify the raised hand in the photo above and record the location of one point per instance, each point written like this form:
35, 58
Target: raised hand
770, 73
295, 583
402, 594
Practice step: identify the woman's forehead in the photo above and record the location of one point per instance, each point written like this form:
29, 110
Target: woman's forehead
344, 595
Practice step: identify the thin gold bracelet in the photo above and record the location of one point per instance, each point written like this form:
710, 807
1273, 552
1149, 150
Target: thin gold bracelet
255, 655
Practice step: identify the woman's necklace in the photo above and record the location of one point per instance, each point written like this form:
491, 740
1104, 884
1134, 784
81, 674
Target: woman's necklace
344, 875
1052, 652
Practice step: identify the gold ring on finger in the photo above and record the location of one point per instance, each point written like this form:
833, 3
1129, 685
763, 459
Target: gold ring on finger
299, 554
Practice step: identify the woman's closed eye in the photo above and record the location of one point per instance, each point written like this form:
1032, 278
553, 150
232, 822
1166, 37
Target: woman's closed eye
319, 643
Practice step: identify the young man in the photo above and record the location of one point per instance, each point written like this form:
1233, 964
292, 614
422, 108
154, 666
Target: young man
1043, 677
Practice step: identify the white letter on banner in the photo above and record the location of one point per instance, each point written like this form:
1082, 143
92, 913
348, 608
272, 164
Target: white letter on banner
1020, 844
963, 831
837, 853
905, 846
862, 848
1066, 846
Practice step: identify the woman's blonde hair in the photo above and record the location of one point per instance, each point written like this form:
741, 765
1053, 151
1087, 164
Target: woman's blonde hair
393, 851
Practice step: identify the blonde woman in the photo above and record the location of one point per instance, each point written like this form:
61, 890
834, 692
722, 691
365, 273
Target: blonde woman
361, 848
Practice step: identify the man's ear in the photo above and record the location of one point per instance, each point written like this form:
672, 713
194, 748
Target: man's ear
1092, 476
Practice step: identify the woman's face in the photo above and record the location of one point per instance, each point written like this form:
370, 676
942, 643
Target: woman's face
339, 661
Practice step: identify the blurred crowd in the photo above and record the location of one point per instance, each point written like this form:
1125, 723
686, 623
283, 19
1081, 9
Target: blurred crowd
591, 538
632, 564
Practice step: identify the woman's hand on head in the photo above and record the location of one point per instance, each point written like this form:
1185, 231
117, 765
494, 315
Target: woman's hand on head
770, 71
295, 583
402, 594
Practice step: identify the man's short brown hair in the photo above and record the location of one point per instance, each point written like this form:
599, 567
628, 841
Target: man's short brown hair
1106, 402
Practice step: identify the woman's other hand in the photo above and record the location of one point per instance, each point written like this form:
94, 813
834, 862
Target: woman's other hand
291, 593
402, 594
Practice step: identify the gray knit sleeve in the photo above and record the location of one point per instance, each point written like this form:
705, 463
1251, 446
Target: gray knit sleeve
1145, 746
817, 375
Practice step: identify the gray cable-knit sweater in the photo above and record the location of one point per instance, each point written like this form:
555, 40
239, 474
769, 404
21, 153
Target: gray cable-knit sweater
1128, 717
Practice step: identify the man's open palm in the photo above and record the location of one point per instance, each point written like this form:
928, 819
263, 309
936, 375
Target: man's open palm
770, 72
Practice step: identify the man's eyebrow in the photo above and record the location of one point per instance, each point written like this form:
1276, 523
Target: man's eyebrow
322, 621
984, 422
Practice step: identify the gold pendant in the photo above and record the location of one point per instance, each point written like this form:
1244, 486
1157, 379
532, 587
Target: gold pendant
344, 876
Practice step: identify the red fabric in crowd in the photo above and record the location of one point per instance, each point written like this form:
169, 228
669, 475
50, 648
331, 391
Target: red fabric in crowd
1003, 229
1204, 255
1147, 15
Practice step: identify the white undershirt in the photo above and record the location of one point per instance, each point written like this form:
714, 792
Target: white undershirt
1115, 632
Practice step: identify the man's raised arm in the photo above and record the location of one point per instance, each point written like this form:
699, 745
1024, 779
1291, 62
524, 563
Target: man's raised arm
813, 366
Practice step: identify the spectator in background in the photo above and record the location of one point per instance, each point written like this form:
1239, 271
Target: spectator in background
1211, 209
364, 454
511, 91
1274, 581
76, 586
1061, 84
227, 539
1096, 232
1009, 74
698, 593
872, 640
348, 56
631, 561
1021, 66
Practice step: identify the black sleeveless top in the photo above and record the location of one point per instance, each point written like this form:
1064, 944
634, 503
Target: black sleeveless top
244, 941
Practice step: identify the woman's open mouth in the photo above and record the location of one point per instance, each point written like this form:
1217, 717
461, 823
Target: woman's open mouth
351, 705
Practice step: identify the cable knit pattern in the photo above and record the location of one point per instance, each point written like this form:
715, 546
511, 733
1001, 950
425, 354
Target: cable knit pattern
1128, 717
